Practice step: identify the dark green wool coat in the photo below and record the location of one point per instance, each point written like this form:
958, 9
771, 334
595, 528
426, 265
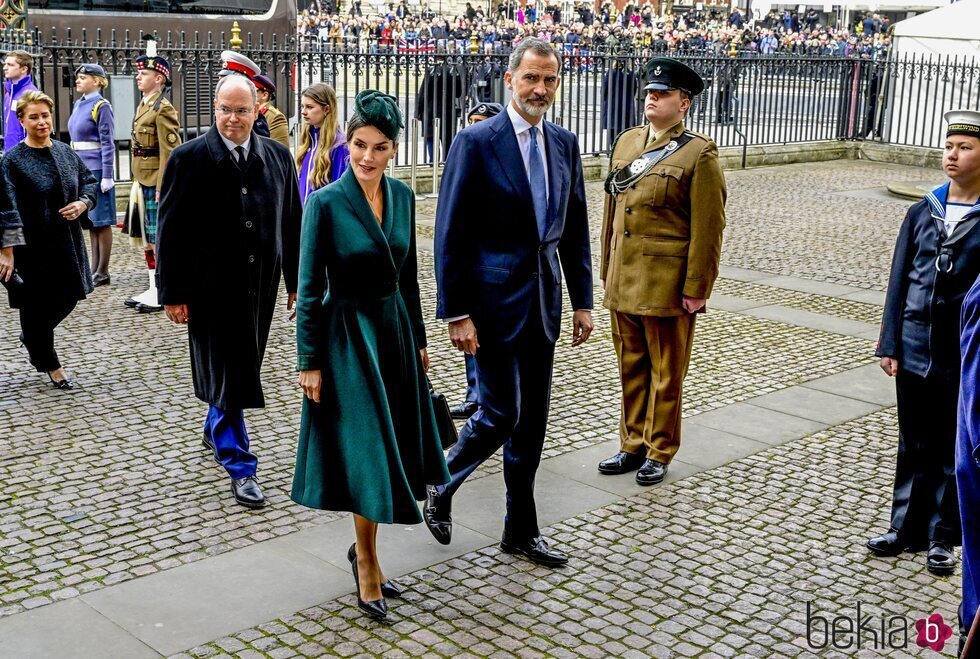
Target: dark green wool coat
371, 445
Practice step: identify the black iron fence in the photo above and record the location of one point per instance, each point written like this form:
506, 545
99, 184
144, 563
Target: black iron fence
746, 101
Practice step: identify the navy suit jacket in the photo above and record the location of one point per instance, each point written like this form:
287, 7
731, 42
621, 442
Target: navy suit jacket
491, 262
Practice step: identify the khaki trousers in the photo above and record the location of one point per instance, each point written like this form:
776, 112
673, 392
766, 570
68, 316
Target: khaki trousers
653, 354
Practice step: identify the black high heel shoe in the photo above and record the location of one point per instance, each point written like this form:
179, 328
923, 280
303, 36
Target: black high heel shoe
377, 609
388, 588
65, 384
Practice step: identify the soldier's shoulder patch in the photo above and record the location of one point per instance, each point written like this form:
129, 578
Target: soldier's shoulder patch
171, 138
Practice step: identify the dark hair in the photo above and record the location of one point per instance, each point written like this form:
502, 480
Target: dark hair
535, 45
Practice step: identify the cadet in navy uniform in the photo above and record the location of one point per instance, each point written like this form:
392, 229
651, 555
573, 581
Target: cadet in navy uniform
937, 260
467, 408
93, 136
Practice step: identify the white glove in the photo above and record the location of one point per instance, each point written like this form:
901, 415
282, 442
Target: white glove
108, 184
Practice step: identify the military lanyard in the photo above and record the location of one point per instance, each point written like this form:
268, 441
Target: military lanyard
944, 260
621, 180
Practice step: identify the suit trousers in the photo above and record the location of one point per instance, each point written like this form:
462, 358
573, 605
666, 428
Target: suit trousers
37, 322
472, 390
924, 500
514, 381
653, 354
226, 428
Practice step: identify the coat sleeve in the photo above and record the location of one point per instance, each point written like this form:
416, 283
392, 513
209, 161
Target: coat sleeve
107, 138
708, 196
176, 247
279, 128
608, 215
890, 338
574, 247
408, 284
455, 215
313, 281
168, 136
11, 223
292, 215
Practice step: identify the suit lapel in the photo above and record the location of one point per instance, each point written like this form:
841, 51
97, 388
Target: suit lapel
504, 143
362, 210
555, 149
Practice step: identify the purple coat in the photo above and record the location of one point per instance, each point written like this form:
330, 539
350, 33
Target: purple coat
339, 159
13, 132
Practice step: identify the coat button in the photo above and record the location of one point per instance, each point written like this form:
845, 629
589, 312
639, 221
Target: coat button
540, 248
534, 275
629, 210
251, 258
244, 190
626, 233
248, 224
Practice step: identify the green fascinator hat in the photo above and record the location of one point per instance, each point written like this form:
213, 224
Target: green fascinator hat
381, 111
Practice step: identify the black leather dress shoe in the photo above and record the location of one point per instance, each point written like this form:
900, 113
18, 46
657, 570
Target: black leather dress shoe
375, 608
621, 463
535, 550
148, 308
886, 545
388, 588
651, 473
247, 492
940, 560
100, 280
131, 303
437, 515
464, 410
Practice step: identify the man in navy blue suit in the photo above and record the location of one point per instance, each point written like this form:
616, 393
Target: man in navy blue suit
511, 220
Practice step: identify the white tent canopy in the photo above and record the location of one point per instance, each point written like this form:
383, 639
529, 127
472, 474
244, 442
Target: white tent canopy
952, 31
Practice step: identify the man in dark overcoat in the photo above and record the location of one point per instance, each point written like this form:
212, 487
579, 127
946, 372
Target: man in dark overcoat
229, 230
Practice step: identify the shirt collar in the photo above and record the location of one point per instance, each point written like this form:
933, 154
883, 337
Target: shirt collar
520, 123
231, 145
85, 97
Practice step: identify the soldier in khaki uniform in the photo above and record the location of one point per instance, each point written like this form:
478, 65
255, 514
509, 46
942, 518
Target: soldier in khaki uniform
156, 131
278, 126
661, 246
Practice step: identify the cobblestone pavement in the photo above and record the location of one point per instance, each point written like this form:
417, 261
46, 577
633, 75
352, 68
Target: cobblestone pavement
720, 564
109, 482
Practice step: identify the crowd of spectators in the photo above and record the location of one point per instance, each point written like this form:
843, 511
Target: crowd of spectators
636, 28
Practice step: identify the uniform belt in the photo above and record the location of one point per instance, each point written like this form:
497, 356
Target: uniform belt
145, 152
86, 146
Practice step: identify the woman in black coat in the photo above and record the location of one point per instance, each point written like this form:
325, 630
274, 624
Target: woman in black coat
45, 195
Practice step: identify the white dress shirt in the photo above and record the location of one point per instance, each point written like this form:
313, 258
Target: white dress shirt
231, 146
522, 131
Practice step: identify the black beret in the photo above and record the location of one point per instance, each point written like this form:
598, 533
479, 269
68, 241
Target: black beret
91, 70
381, 111
486, 110
665, 73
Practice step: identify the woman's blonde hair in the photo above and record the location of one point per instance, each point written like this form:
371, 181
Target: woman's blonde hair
101, 81
323, 95
30, 98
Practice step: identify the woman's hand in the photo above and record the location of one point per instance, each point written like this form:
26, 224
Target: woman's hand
425, 359
309, 382
73, 211
6, 263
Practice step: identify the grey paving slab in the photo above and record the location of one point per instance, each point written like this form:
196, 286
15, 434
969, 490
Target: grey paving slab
815, 405
208, 599
758, 423
742, 274
732, 303
867, 296
67, 629
402, 549
581, 466
808, 285
707, 448
868, 383
814, 321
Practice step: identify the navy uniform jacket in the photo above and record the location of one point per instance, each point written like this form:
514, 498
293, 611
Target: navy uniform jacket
921, 322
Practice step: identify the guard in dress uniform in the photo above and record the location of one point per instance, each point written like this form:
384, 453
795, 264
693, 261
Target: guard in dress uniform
468, 407
156, 131
233, 62
276, 120
963, 151
661, 246
937, 260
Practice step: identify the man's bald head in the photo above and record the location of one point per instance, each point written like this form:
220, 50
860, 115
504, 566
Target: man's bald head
236, 107
235, 81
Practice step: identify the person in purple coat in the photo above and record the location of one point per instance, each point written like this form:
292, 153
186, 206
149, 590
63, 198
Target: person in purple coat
93, 137
320, 163
17, 67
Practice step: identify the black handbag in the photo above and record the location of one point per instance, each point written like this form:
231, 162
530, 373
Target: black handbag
444, 420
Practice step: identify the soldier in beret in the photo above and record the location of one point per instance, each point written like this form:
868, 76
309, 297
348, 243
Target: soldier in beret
661, 246
937, 260
156, 131
276, 120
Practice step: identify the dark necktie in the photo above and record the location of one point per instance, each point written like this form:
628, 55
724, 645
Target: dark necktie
539, 188
240, 160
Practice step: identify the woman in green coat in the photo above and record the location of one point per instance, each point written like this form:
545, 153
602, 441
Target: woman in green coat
368, 440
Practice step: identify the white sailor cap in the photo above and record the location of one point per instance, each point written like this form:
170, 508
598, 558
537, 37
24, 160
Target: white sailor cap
235, 62
962, 122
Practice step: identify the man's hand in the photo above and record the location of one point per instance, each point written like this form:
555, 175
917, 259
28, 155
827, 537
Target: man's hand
462, 333
177, 313
581, 327
693, 304
425, 359
889, 365
309, 382
6, 263
291, 305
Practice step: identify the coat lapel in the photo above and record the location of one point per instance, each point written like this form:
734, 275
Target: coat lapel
662, 141
555, 150
362, 210
504, 143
